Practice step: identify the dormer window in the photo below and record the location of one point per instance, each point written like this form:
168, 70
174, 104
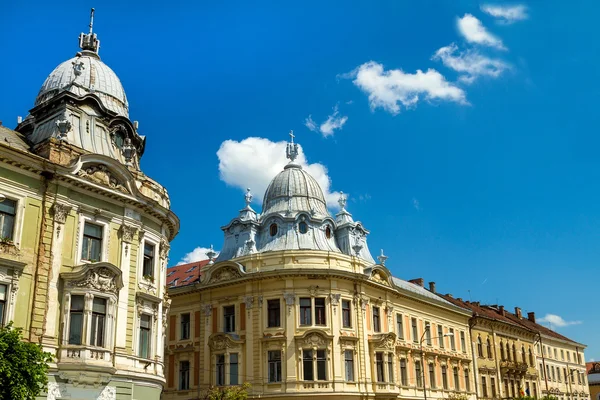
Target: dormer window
303, 227
119, 139
328, 232
273, 229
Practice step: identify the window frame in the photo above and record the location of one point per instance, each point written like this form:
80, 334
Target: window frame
347, 314
149, 340
14, 216
276, 363
400, 326
150, 258
98, 331
376, 317
184, 375
414, 329
349, 365
89, 239
229, 323
105, 224
185, 326
274, 312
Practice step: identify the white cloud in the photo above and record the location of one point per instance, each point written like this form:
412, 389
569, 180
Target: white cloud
558, 321
254, 162
506, 14
416, 204
310, 124
198, 254
392, 88
471, 63
474, 32
333, 122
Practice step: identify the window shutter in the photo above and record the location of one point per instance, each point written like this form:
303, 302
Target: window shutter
214, 320
196, 371
170, 377
197, 324
172, 327
243, 316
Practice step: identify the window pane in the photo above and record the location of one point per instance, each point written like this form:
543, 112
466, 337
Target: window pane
346, 316
99, 305
8, 223
8, 207
2, 292
305, 311
76, 325
321, 365
274, 366
233, 369
220, 375
320, 311
349, 361
307, 365
92, 230
274, 313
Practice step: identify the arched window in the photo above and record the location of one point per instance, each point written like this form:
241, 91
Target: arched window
328, 232
523, 355
489, 348
502, 355
303, 227
479, 346
273, 229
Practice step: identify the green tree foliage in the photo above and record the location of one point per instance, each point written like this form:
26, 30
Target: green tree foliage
23, 366
229, 392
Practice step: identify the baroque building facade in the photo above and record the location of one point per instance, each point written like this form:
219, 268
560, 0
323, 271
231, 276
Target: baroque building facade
85, 236
296, 306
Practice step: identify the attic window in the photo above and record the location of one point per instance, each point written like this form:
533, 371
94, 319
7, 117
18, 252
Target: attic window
273, 229
170, 273
303, 227
119, 138
188, 278
191, 269
328, 232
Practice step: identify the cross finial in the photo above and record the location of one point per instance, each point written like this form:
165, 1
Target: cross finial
291, 150
382, 258
91, 20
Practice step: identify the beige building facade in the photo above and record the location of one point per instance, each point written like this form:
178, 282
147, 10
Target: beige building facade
295, 306
85, 236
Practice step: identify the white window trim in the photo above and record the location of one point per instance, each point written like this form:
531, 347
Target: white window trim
281, 362
11, 281
20, 209
155, 241
83, 218
109, 323
328, 364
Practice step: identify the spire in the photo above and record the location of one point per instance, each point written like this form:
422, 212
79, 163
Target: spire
382, 258
247, 213
89, 41
343, 217
291, 150
211, 253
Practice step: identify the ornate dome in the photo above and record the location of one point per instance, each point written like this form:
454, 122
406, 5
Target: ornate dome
294, 190
86, 74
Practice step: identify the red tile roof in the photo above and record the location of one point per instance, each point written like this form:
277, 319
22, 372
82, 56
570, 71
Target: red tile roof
185, 274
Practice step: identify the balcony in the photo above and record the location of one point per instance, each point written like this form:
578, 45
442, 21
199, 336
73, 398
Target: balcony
513, 367
74, 357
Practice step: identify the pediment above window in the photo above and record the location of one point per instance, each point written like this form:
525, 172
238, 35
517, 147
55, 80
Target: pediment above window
101, 276
222, 341
102, 175
222, 272
380, 275
313, 339
384, 341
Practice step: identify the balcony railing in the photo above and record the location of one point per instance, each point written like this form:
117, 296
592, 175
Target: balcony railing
514, 367
88, 355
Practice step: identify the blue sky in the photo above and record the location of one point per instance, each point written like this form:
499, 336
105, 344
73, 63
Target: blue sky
480, 173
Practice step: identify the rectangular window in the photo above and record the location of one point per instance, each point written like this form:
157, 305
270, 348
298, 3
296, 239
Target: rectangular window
535, 390
553, 373
91, 248
445, 377
568, 357
493, 386
184, 375
148, 267
220, 370
321, 365
428, 333
229, 319
578, 358
2, 304
185, 326
403, 374
565, 375
467, 382
562, 355
415, 332
346, 315
305, 312
144, 347
555, 354
349, 363
419, 373
320, 311
376, 320
76, 319
399, 326
452, 338
8, 211
456, 380
441, 336
273, 313
274, 366
484, 386
390, 362
463, 342
379, 366
307, 364
233, 369
98, 322
431, 375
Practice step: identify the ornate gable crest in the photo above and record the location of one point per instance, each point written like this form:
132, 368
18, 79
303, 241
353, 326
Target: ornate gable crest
102, 276
222, 341
380, 275
100, 174
313, 339
384, 341
222, 272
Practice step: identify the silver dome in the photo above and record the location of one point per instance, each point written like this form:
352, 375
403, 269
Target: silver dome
86, 74
294, 190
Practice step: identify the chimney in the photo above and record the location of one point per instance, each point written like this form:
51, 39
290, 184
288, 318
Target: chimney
501, 308
476, 303
418, 281
432, 287
460, 299
19, 119
449, 295
518, 312
531, 316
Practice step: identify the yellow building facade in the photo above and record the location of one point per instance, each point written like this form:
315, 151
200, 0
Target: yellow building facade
85, 236
593, 377
296, 306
